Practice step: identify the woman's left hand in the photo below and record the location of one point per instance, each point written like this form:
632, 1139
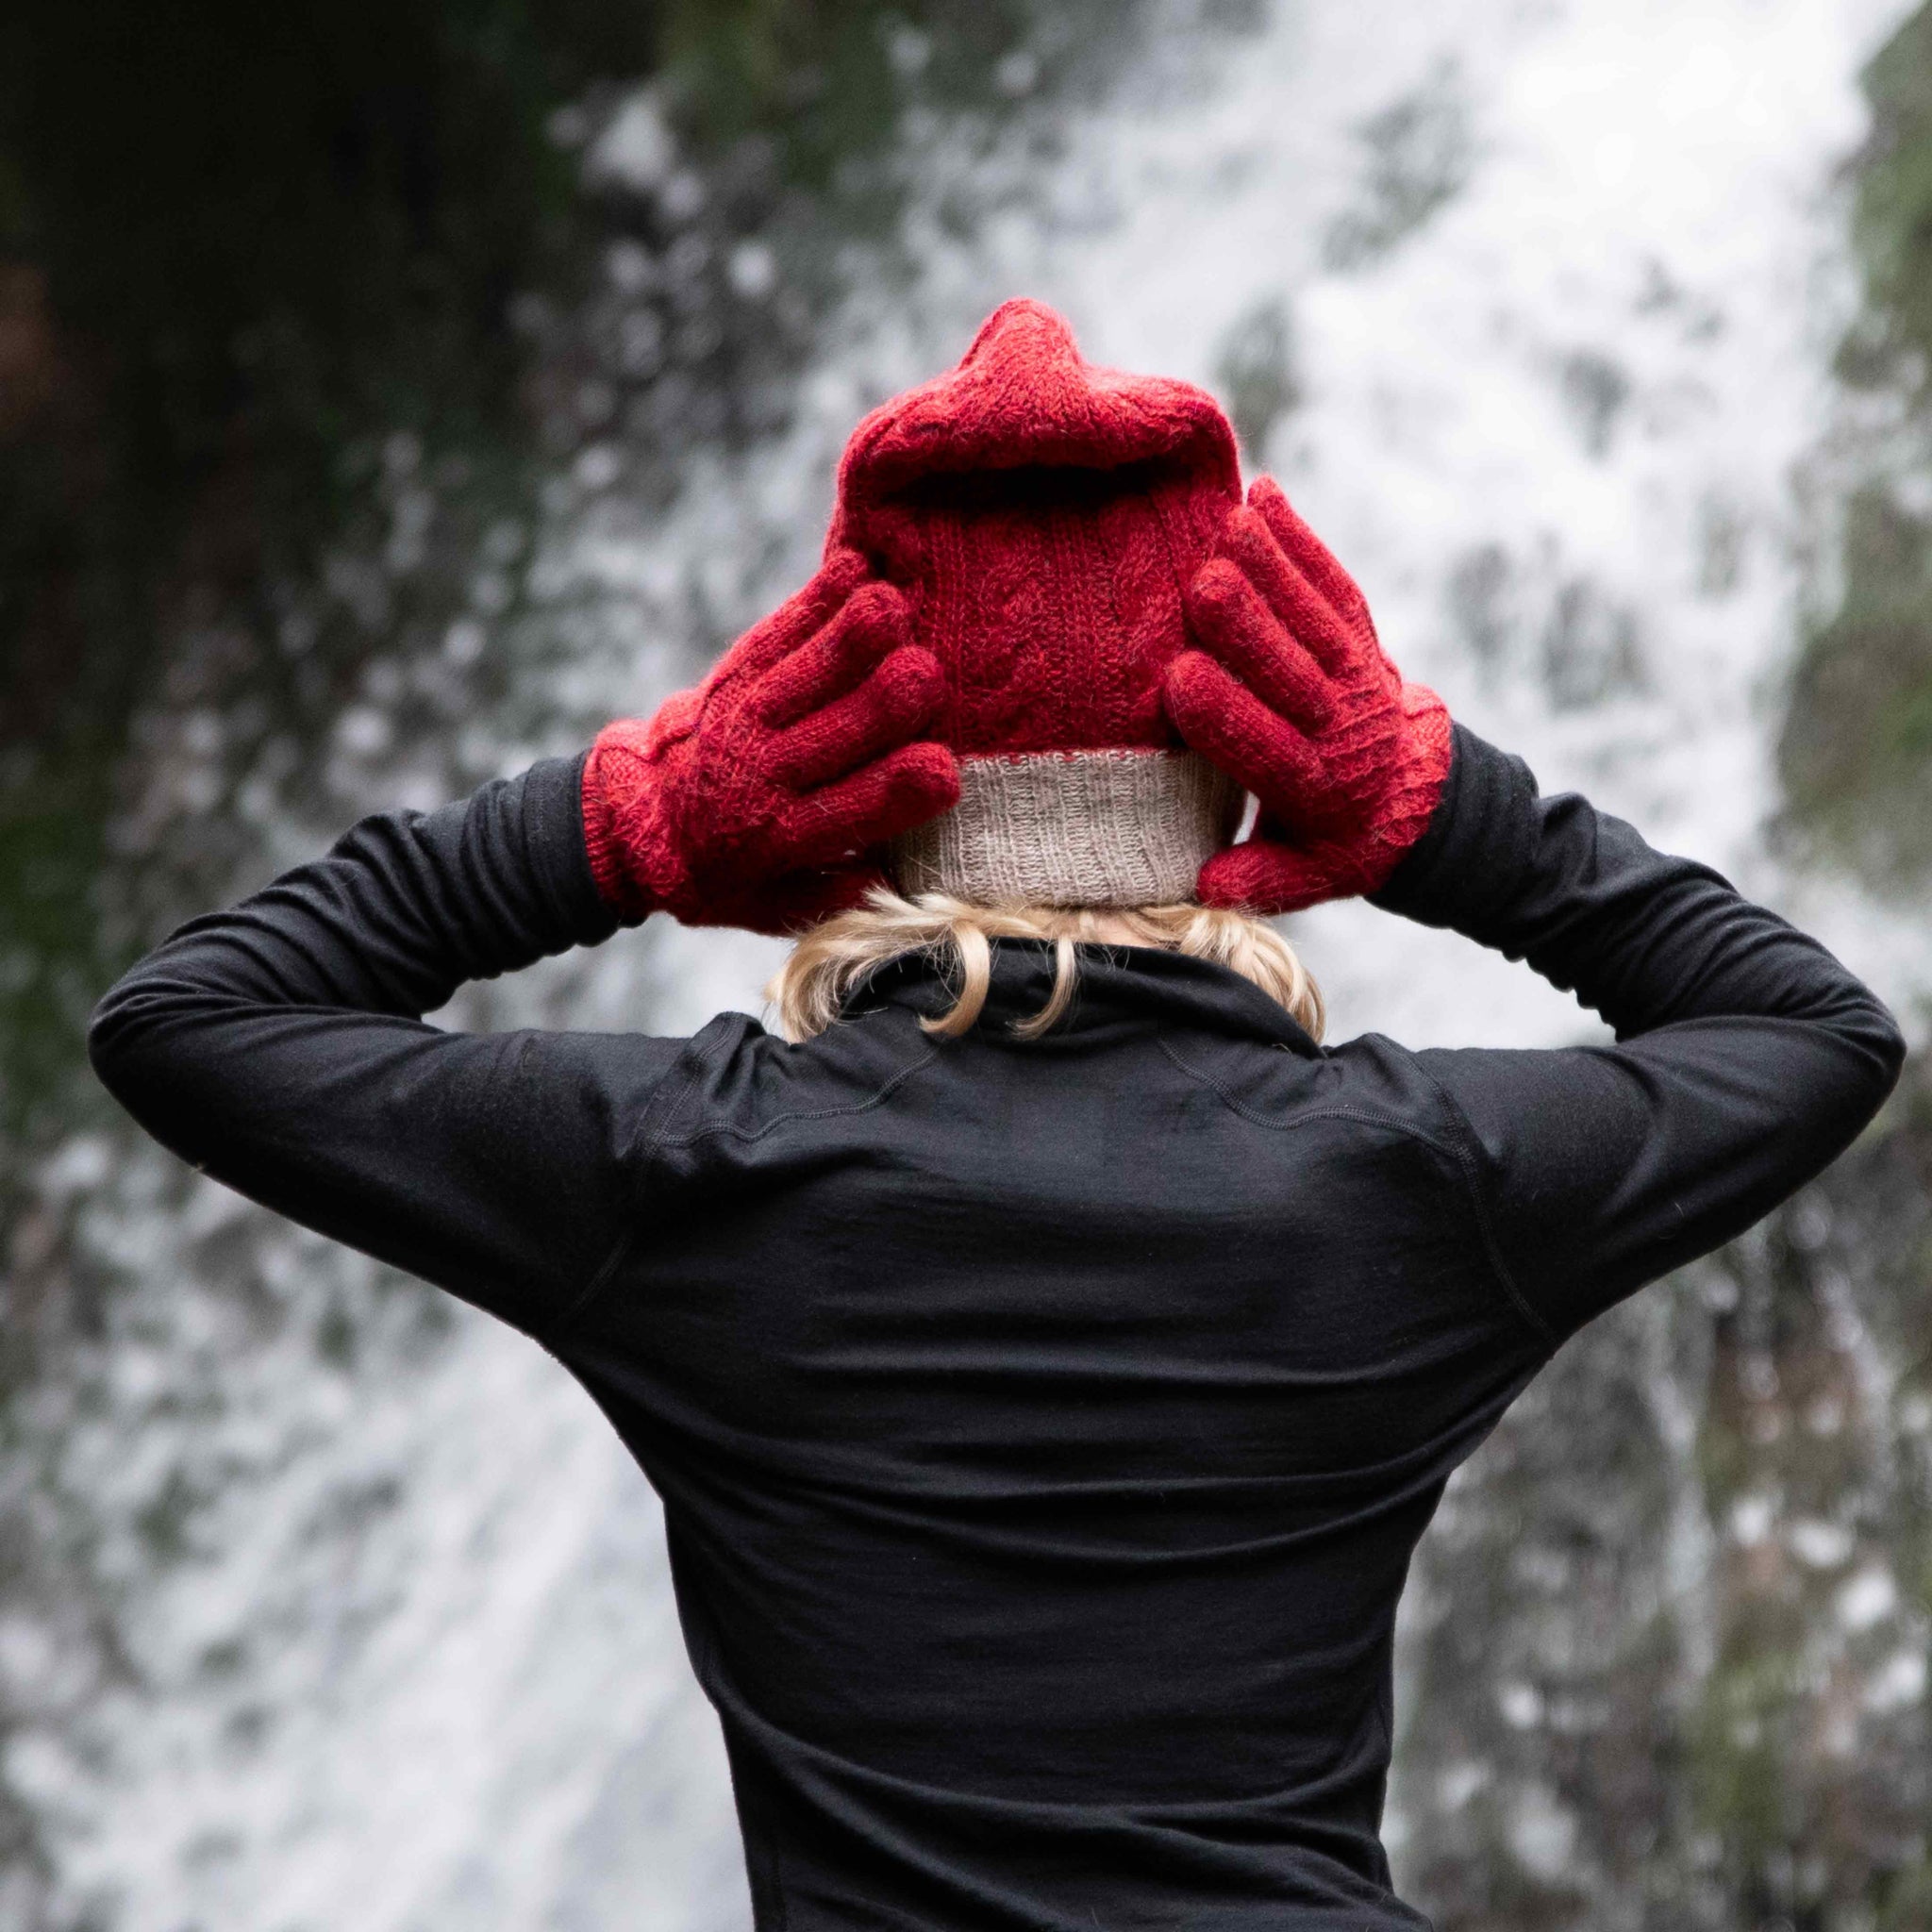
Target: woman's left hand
1291, 693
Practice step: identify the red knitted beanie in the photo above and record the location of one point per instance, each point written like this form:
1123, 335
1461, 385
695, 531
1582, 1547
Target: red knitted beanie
1044, 517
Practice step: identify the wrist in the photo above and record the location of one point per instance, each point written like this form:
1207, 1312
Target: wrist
1416, 787
1472, 851
626, 843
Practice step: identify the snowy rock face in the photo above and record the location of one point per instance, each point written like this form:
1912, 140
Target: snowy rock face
1531, 308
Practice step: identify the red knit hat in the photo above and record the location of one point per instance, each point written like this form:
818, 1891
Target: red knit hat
1044, 516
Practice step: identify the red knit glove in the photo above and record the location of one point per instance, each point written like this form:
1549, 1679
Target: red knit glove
753, 800
1290, 695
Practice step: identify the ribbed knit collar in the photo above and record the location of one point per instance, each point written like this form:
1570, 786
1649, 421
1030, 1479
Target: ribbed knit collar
1133, 988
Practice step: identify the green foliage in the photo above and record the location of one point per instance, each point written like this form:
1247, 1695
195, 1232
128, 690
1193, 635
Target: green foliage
237, 242
1678, 1601
1893, 221
1857, 749
288, 223
305, 313
267, 273
825, 80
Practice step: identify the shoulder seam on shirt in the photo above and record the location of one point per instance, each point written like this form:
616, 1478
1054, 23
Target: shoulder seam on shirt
644, 1143
1457, 1151
817, 1113
693, 1065
1311, 1113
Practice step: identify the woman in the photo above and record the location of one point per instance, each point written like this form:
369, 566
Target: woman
1049, 1360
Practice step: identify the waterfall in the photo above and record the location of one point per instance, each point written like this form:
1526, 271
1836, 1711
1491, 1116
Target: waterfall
1530, 305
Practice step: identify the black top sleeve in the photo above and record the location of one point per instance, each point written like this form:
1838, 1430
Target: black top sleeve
1746, 1058
279, 1045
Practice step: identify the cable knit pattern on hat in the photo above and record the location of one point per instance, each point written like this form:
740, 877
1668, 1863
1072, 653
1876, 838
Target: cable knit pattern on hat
1044, 517
1044, 611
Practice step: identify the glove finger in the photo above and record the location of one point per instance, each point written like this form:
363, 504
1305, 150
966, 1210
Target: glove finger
1249, 545
802, 614
878, 802
889, 707
874, 620
1310, 555
1228, 615
1222, 719
1264, 878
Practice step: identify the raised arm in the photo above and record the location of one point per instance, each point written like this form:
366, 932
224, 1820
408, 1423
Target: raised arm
279, 1046
1747, 1057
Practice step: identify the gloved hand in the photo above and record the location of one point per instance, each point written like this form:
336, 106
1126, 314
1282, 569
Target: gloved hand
754, 799
1290, 695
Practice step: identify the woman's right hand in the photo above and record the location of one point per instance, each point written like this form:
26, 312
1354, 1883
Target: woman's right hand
1291, 694
757, 799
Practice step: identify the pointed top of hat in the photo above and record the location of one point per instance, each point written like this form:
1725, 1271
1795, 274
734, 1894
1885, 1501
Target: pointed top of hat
1022, 396
1026, 331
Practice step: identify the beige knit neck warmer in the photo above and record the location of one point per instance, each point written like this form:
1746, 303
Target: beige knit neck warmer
1074, 829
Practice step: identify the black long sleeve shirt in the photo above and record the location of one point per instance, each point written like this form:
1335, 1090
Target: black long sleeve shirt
1044, 1430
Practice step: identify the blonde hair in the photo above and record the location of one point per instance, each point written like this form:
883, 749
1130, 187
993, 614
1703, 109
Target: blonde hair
833, 960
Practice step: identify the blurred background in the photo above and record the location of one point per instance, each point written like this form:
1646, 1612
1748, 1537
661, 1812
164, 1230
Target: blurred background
390, 392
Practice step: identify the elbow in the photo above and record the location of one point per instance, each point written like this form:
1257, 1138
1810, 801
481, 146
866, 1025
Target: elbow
145, 1050
1889, 1045
122, 1034
108, 1039
1835, 1091
1880, 1049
